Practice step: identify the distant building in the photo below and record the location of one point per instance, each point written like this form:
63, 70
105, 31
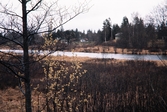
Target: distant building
84, 40
118, 36
64, 41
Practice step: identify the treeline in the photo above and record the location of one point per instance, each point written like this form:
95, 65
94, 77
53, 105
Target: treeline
150, 32
136, 34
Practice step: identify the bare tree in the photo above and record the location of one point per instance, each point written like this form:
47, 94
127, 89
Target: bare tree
158, 15
36, 16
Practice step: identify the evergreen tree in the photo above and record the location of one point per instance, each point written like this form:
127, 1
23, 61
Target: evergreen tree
139, 34
125, 30
106, 30
116, 29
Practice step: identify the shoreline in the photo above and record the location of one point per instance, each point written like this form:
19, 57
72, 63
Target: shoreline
87, 59
105, 49
111, 49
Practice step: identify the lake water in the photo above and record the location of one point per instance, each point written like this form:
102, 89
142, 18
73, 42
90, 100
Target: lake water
112, 56
95, 55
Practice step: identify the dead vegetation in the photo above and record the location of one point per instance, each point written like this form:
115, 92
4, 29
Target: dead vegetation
108, 85
113, 49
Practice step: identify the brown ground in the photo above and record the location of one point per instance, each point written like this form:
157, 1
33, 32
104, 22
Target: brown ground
10, 100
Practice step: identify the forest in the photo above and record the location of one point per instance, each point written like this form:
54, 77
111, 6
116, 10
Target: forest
137, 35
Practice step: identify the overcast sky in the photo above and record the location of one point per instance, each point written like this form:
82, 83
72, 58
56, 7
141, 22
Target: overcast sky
103, 9
114, 9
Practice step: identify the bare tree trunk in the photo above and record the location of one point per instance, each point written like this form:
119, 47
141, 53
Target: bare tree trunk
26, 59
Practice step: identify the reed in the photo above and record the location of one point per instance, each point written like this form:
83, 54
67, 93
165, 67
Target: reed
107, 86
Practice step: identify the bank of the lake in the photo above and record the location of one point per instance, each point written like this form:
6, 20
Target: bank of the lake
92, 55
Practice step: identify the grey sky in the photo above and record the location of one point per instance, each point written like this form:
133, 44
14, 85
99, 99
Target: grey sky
103, 9
114, 9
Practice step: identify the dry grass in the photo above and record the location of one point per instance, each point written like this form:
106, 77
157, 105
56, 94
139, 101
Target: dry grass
10, 100
13, 100
87, 59
111, 49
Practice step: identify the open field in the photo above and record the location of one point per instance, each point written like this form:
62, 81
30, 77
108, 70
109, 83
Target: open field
108, 85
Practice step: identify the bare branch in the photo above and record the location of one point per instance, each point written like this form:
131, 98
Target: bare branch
11, 70
14, 40
20, 1
8, 12
20, 86
13, 56
35, 7
159, 14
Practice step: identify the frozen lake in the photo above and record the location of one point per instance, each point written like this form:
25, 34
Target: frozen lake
112, 56
94, 55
